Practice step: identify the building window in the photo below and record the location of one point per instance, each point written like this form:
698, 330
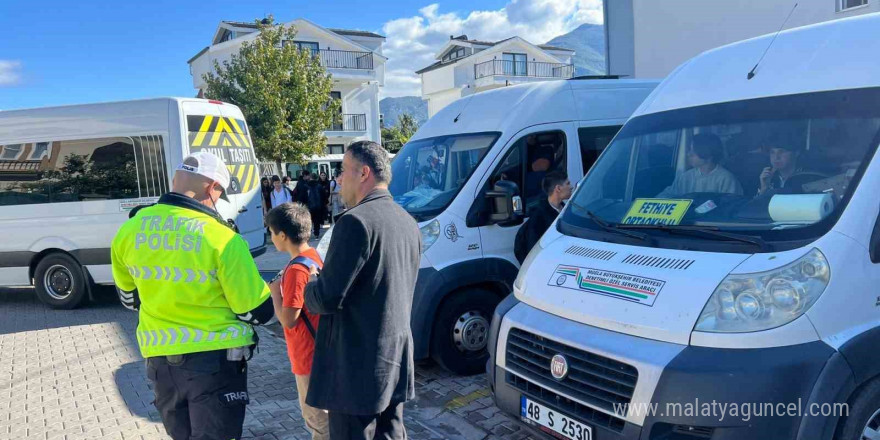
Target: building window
514, 63
454, 54
843, 5
227, 35
335, 149
41, 150
10, 152
307, 45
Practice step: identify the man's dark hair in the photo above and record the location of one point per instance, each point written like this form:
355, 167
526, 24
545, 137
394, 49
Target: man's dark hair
293, 219
552, 180
304, 173
708, 147
373, 156
275, 178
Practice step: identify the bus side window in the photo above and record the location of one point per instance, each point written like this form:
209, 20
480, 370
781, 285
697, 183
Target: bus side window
593, 141
152, 169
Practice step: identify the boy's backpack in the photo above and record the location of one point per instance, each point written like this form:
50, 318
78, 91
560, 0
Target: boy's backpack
315, 200
308, 263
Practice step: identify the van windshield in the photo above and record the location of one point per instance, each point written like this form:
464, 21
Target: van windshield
427, 174
767, 173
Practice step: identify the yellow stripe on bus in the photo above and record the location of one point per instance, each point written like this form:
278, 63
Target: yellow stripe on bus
239, 131
203, 130
248, 178
221, 129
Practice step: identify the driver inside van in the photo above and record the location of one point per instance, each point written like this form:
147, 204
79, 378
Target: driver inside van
706, 175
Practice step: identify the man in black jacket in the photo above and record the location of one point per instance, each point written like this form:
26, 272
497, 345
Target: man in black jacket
362, 369
301, 190
558, 188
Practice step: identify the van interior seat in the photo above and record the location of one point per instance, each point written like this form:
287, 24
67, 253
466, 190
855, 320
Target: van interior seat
658, 175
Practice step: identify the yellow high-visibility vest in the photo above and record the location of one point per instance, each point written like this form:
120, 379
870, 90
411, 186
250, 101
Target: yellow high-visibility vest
193, 275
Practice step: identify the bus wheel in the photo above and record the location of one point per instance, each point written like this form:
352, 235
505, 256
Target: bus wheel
863, 421
60, 282
461, 331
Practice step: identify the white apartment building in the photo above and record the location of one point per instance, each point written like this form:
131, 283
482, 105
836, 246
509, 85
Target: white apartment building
353, 58
465, 66
650, 38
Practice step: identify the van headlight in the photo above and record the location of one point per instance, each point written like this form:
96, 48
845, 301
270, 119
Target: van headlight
765, 300
430, 233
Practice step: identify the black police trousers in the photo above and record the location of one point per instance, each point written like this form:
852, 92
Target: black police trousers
200, 396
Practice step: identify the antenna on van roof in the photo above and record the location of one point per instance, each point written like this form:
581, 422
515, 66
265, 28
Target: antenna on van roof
465, 104
752, 72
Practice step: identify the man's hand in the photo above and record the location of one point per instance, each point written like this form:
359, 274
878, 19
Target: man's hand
275, 288
766, 176
313, 273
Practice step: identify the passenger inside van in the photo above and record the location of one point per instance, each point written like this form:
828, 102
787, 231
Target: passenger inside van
706, 175
786, 173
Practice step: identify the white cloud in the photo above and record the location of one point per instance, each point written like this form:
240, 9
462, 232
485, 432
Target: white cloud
9, 72
412, 41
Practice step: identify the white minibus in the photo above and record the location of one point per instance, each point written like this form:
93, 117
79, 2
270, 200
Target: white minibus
69, 176
715, 275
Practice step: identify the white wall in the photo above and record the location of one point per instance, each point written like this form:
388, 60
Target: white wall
362, 99
439, 100
438, 80
670, 32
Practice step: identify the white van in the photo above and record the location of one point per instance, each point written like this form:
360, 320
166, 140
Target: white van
445, 178
716, 311
70, 175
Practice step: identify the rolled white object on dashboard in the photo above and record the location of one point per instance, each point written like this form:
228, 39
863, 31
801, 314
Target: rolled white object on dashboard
800, 207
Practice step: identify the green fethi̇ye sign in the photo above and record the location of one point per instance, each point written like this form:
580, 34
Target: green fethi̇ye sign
624, 286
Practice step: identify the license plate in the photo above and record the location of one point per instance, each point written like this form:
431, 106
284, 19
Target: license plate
553, 421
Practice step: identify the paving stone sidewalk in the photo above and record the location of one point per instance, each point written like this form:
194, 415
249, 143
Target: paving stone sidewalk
77, 374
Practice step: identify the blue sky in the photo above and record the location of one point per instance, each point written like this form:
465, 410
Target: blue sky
66, 52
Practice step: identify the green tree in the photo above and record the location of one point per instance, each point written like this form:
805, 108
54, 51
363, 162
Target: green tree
394, 137
282, 91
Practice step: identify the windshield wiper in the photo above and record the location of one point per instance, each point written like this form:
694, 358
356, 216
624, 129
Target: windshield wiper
708, 230
616, 228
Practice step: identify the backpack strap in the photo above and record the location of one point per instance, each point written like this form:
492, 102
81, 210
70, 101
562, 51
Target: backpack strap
308, 263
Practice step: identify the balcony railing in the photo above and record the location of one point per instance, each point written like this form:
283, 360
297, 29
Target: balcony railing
344, 59
523, 68
349, 122
31, 165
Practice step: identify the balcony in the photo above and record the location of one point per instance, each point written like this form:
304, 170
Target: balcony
524, 69
349, 122
345, 59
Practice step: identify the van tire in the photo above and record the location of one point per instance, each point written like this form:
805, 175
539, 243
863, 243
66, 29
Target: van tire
461, 331
864, 412
60, 282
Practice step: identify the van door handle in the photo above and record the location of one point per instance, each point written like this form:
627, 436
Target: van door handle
243, 209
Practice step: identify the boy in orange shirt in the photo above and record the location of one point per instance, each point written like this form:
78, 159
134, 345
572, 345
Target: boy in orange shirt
291, 227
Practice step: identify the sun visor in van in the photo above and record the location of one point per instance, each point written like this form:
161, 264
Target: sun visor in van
800, 207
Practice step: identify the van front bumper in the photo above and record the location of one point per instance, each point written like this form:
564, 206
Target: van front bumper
671, 379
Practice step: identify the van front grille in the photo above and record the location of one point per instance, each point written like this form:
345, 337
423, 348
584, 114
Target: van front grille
592, 379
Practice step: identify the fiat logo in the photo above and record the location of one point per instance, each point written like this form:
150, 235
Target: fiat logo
559, 367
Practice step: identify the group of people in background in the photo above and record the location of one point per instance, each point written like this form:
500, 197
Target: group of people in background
316, 192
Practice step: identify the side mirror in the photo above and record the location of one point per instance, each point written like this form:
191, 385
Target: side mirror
505, 203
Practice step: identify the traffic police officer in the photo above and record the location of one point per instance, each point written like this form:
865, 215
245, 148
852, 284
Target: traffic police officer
198, 293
